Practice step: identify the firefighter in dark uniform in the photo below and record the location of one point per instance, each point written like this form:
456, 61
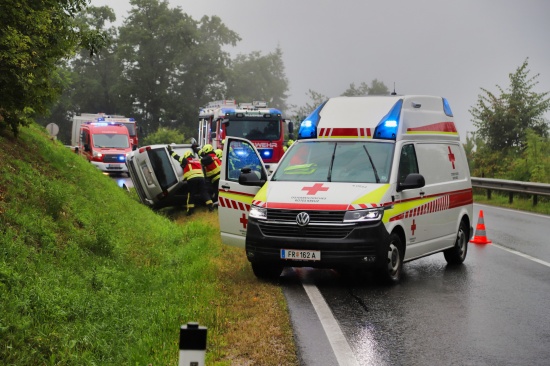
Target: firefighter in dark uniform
212, 168
196, 185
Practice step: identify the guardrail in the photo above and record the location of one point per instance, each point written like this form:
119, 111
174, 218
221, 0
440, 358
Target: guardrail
512, 186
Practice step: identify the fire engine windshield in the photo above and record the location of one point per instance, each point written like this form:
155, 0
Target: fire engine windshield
260, 129
337, 161
111, 140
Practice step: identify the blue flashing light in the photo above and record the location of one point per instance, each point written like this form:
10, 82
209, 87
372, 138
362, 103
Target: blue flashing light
266, 153
101, 119
308, 127
121, 158
447, 107
388, 125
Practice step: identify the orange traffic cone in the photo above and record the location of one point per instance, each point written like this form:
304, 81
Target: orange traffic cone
480, 237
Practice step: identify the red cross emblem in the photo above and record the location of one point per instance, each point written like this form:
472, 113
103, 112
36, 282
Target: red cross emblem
244, 220
451, 157
316, 188
413, 227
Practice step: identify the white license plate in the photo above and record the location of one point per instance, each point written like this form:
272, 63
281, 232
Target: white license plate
301, 255
114, 166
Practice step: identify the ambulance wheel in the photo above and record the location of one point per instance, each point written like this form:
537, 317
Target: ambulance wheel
266, 271
457, 254
391, 272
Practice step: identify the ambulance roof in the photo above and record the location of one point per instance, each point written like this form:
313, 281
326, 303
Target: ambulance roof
382, 117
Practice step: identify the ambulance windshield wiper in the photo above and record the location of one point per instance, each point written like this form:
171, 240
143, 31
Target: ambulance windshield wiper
331, 162
372, 164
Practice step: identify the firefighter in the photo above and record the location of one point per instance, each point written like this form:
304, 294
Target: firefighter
219, 153
196, 185
288, 144
212, 168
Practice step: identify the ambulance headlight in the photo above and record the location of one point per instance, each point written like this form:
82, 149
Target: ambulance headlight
257, 212
364, 215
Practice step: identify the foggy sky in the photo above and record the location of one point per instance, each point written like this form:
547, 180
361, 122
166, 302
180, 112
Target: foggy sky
436, 47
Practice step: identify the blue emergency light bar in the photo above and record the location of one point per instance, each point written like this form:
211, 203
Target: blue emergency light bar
266, 153
447, 107
308, 127
388, 125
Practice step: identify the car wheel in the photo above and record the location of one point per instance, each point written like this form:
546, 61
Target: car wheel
266, 271
457, 254
390, 273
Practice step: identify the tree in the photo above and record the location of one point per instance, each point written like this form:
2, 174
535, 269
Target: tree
258, 77
316, 100
34, 37
377, 88
164, 136
502, 120
170, 63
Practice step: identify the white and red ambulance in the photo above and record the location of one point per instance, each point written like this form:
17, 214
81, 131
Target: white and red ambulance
372, 182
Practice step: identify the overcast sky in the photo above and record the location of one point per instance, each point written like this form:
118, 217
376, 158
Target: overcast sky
436, 47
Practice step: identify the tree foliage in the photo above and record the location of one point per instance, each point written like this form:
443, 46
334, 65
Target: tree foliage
164, 136
502, 120
258, 77
34, 37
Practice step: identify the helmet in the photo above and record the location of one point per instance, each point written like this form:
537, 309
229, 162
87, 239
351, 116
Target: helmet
207, 149
219, 153
290, 142
188, 154
199, 152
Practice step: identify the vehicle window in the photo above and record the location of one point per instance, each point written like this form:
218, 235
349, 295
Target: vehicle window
254, 130
407, 162
242, 155
111, 140
162, 167
354, 162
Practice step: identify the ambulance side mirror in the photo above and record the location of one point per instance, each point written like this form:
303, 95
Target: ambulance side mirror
250, 178
413, 180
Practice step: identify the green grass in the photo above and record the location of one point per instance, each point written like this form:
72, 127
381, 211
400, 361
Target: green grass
520, 202
90, 276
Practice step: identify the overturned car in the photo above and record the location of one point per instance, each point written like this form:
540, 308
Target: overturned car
157, 177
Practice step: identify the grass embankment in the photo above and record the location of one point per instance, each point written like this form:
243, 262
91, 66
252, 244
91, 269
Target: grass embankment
88, 275
520, 202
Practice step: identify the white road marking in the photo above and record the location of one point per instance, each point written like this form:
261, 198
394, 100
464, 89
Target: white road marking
521, 254
340, 346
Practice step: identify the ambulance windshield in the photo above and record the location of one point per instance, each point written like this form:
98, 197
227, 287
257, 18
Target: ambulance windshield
337, 161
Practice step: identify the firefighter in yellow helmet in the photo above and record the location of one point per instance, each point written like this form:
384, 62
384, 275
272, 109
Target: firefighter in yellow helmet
212, 168
288, 144
219, 153
194, 176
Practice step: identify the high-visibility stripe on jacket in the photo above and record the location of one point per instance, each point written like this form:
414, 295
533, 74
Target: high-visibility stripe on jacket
212, 166
193, 169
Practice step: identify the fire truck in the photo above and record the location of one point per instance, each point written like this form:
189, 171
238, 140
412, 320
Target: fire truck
130, 124
255, 121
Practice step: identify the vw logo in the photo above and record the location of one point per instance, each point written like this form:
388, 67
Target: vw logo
302, 219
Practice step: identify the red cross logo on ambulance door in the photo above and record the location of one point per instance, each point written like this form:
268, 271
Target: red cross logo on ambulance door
316, 188
413, 227
244, 220
451, 157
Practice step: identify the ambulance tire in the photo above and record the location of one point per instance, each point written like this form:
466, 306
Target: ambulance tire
266, 271
391, 273
457, 254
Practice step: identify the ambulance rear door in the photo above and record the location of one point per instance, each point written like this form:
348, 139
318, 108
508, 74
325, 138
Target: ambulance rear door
240, 156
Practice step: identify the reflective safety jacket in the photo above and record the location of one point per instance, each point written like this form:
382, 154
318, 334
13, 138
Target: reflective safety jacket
192, 169
212, 166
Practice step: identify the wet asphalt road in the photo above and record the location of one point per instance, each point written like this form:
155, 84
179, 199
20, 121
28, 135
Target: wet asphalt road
493, 310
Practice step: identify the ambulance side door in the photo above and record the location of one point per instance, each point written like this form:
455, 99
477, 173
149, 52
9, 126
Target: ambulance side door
235, 199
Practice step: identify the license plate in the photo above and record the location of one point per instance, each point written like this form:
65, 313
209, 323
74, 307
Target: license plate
301, 255
114, 166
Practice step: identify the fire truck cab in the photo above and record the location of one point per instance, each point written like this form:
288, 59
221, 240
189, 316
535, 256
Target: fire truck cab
105, 145
255, 121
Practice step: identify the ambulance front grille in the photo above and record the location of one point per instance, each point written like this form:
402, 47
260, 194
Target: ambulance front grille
312, 231
314, 216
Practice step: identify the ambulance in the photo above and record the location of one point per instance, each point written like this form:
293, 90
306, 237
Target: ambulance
372, 182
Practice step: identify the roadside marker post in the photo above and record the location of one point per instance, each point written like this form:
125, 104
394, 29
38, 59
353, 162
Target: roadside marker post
192, 345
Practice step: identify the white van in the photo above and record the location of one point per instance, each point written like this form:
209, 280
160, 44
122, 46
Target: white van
371, 182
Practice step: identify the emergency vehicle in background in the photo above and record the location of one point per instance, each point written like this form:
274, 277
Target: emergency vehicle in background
105, 145
255, 121
130, 124
371, 182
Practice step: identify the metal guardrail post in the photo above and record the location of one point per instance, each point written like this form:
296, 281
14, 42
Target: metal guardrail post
192, 345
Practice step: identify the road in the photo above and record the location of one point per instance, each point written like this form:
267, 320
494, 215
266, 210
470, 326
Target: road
493, 310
